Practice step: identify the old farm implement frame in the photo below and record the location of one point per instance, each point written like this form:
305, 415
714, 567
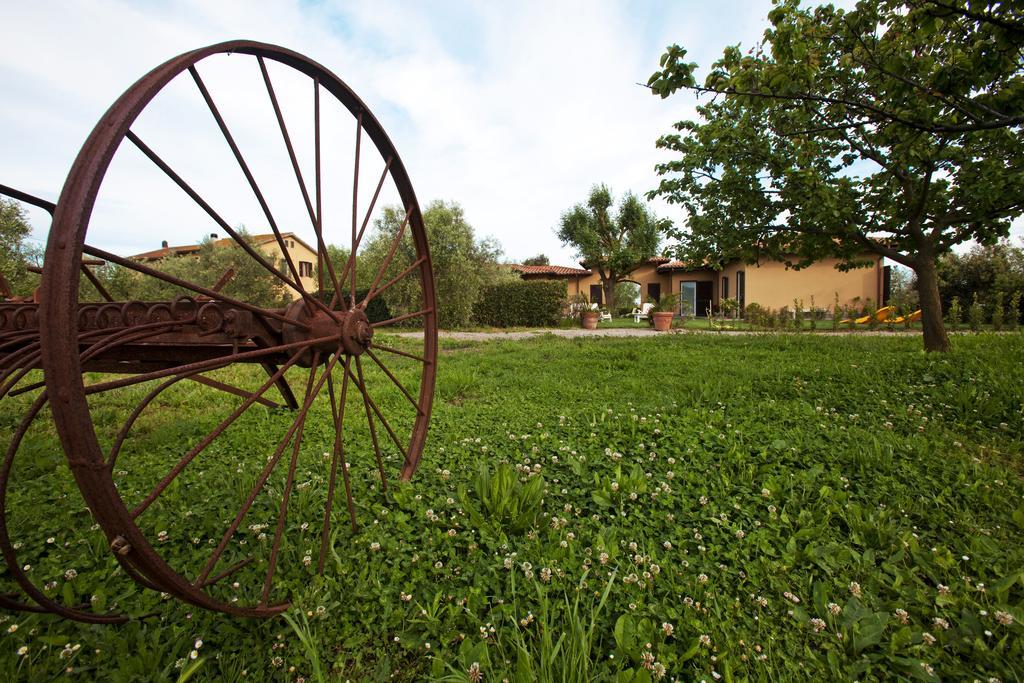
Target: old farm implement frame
150, 346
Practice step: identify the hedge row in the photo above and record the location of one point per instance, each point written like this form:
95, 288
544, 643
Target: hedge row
522, 303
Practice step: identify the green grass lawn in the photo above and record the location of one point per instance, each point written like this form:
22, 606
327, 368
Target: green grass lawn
771, 507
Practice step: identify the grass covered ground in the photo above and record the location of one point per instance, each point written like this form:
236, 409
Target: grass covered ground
764, 507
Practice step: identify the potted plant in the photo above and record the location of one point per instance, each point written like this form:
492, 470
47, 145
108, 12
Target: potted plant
578, 303
663, 310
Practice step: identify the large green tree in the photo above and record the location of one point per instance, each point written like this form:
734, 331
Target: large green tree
892, 129
611, 241
463, 263
16, 252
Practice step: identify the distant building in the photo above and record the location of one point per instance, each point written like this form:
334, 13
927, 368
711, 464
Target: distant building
702, 287
303, 255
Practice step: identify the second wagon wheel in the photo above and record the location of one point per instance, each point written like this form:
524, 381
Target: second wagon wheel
198, 479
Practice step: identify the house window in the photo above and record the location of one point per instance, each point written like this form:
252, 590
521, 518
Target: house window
725, 287
695, 297
596, 295
654, 291
305, 269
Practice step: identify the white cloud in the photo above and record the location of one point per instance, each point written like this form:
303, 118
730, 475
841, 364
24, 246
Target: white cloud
513, 110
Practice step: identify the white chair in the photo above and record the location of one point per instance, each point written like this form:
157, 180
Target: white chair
642, 312
606, 315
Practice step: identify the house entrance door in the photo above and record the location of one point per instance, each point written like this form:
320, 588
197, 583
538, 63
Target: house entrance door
703, 298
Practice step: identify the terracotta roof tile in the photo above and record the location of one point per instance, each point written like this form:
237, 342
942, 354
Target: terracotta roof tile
554, 271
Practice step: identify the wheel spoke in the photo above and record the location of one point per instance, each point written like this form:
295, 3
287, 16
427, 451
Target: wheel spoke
376, 410
321, 246
373, 429
227, 572
264, 475
320, 255
401, 387
400, 353
355, 205
252, 184
96, 283
338, 414
391, 254
373, 294
350, 263
392, 321
290, 480
229, 389
208, 439
115, 449
203, 204
199, 289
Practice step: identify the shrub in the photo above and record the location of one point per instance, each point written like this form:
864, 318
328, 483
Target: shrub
1014, 313
975, 314
798, 314
521, 303
837, 313
755, 315
997, 312
955, 315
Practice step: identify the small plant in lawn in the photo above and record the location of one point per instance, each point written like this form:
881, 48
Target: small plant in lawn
850, 317
798, 314
837, 313
729, 307
500, 500
871, 311
814, 314
955, 315
997, 311
785, 318
975, 314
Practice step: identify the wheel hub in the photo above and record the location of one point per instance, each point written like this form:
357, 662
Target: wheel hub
349, 329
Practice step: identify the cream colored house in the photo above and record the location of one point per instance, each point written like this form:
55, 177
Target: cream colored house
303, 255
702, 288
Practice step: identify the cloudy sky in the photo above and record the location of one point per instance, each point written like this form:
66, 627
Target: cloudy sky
511, 109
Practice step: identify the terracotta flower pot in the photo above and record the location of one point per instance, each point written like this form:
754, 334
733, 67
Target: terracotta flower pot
590, 319
663, 320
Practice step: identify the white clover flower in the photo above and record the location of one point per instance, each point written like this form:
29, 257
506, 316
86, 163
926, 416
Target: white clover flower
705, 640
818, 625
1004, 618
855, 589
668, 629
834, 609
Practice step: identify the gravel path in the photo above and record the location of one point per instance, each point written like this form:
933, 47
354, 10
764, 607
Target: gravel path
575, 332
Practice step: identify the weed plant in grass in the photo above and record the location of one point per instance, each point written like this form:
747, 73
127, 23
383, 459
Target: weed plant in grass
765, 507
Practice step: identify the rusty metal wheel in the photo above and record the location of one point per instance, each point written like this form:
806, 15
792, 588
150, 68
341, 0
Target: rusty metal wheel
220, 542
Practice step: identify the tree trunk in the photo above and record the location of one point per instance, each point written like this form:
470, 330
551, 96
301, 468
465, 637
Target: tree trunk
609, 295
935, 338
